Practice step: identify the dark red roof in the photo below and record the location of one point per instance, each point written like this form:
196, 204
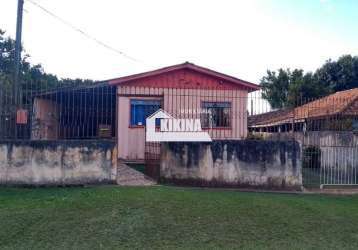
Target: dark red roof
186, 65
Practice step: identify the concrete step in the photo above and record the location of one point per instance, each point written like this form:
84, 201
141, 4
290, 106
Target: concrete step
127, 176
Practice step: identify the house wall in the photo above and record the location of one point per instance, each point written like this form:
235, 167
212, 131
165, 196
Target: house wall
57, 162
177, 102
241, 163
131, 139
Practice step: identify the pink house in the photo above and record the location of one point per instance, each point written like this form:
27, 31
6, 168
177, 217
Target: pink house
184, 91
117, 109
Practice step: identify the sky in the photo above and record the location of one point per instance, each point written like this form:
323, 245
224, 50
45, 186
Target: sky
239, 38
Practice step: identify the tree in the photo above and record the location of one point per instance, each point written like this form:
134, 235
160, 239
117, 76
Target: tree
341, 74
304, 88
7, 54
275, 87
288, 88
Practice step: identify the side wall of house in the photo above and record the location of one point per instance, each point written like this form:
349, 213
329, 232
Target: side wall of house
180, 103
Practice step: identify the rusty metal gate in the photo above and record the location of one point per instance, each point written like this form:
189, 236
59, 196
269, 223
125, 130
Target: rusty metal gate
152, 159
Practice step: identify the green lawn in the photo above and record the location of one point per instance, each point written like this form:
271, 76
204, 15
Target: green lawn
168, 217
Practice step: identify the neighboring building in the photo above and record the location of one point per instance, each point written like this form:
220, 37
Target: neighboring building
117, 109
336, 112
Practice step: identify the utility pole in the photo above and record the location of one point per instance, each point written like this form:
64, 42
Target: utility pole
17, 85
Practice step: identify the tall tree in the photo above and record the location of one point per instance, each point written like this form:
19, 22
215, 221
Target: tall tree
305, 87
275, 87
341, 74
7, 55
286, 88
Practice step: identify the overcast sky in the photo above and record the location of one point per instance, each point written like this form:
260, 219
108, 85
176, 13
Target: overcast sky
240, 38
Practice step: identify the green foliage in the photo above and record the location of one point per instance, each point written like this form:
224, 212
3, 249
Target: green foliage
275, 87
6, 58
286, 88
341, 74
254, 136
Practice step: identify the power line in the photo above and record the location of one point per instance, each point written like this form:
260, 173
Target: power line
82, 32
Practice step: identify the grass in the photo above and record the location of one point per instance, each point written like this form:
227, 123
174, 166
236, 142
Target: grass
168, 217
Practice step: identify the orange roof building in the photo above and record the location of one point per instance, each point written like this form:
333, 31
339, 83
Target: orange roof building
337, 106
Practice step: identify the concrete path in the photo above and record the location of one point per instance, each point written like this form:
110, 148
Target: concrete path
127, 176
338, 191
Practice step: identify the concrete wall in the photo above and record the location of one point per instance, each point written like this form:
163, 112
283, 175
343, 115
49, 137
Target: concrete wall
338, 149
174, 102
57, 162
251, 163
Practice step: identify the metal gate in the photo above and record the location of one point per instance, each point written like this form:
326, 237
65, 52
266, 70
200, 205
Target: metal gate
152, 159
330, 158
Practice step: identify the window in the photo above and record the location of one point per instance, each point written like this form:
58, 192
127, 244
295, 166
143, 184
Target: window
216, 114
141, 109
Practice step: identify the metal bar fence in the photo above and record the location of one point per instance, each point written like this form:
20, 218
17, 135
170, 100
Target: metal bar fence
326, 127
76, 112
